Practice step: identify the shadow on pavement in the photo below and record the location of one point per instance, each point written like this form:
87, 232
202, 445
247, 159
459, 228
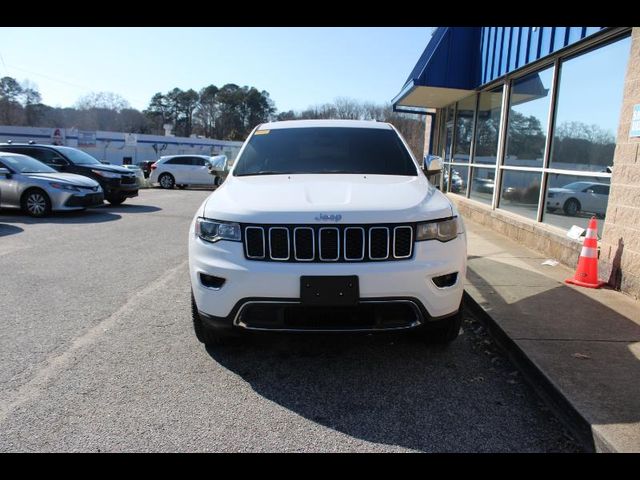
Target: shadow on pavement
9, 229
387, 389
87, 216
127, 208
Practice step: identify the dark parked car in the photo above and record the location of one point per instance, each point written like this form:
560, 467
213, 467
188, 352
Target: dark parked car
117, 182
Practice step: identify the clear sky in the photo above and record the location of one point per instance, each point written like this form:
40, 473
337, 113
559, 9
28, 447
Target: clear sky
299, 67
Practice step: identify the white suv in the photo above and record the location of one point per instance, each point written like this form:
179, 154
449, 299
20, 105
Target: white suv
183, 170
327, 225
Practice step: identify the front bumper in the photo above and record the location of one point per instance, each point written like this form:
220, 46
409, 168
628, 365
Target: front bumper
260, 282
113, 186
84, 201
62, 200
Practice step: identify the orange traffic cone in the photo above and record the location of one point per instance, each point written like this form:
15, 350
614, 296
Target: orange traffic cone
587, 271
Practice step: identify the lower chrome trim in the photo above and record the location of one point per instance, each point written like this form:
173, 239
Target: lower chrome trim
238, 323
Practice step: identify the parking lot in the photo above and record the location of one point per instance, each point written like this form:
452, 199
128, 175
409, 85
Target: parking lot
98, 354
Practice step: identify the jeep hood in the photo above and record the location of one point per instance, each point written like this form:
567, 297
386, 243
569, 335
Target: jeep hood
301, 199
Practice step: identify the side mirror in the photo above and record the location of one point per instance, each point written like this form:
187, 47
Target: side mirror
218, 164
432, 165
6, 172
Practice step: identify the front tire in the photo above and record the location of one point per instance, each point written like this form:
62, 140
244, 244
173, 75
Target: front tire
36, 203
167, 181
571, 207
116, 200
208, 336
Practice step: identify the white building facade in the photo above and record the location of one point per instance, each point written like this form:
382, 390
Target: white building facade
120, 148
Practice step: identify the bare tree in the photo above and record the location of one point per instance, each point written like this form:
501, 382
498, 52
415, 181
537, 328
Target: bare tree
106, 100
348, 109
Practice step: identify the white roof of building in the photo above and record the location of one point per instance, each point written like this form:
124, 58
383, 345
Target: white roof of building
324, 123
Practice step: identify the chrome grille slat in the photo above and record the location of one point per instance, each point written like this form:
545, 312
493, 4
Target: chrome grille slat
295, 244
372, 231
329, 259
271, 242
397, 246
346, 243
343, 243
246, 243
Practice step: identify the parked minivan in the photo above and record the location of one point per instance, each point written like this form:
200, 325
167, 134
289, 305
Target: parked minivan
183, 170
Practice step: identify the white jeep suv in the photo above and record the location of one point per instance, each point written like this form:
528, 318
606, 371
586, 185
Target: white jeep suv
326, 225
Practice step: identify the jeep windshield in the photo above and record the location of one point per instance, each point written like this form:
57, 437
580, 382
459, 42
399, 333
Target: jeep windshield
325, 150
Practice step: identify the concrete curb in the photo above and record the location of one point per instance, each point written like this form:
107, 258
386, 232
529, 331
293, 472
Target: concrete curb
544, 386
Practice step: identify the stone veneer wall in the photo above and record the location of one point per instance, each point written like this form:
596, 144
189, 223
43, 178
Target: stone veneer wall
620, 245
543, 238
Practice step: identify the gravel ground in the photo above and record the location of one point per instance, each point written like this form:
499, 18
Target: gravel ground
98, 354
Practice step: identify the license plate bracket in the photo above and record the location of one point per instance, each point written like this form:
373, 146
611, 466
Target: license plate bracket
329, 290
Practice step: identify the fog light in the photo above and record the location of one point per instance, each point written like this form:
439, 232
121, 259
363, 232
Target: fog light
445, 280
210, 281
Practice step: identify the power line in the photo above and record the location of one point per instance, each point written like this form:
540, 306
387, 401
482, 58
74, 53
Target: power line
4, 65
82, 87
51, 78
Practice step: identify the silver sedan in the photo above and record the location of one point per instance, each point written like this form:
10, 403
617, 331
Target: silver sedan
37, 189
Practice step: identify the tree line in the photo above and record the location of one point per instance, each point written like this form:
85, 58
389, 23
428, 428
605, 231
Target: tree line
226, 113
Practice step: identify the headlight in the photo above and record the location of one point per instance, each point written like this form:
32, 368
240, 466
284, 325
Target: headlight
443, 230
212, 231
104, 174
64, 186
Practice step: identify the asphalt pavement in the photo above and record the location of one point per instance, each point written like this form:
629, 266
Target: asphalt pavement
98, 354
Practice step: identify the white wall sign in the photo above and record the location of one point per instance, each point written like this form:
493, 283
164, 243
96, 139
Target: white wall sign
130, 140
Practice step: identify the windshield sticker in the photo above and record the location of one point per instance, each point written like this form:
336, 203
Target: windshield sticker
262, 132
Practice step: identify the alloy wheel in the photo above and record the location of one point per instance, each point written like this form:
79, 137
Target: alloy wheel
36, 204
166, 182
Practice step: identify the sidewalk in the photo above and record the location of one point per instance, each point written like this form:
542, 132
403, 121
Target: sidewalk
579, 347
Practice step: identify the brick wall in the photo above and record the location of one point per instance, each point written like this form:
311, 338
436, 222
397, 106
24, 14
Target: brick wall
620, 245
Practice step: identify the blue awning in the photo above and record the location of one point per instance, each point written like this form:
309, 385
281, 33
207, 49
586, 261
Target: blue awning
448, 70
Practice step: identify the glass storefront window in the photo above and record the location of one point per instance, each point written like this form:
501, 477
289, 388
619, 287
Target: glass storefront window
448, 134
464, 129
482, 184
588, 108
528, 115
520, 192
572, 200
488, 126
457, 178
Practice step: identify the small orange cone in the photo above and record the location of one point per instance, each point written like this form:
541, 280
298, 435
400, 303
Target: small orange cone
587, 271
